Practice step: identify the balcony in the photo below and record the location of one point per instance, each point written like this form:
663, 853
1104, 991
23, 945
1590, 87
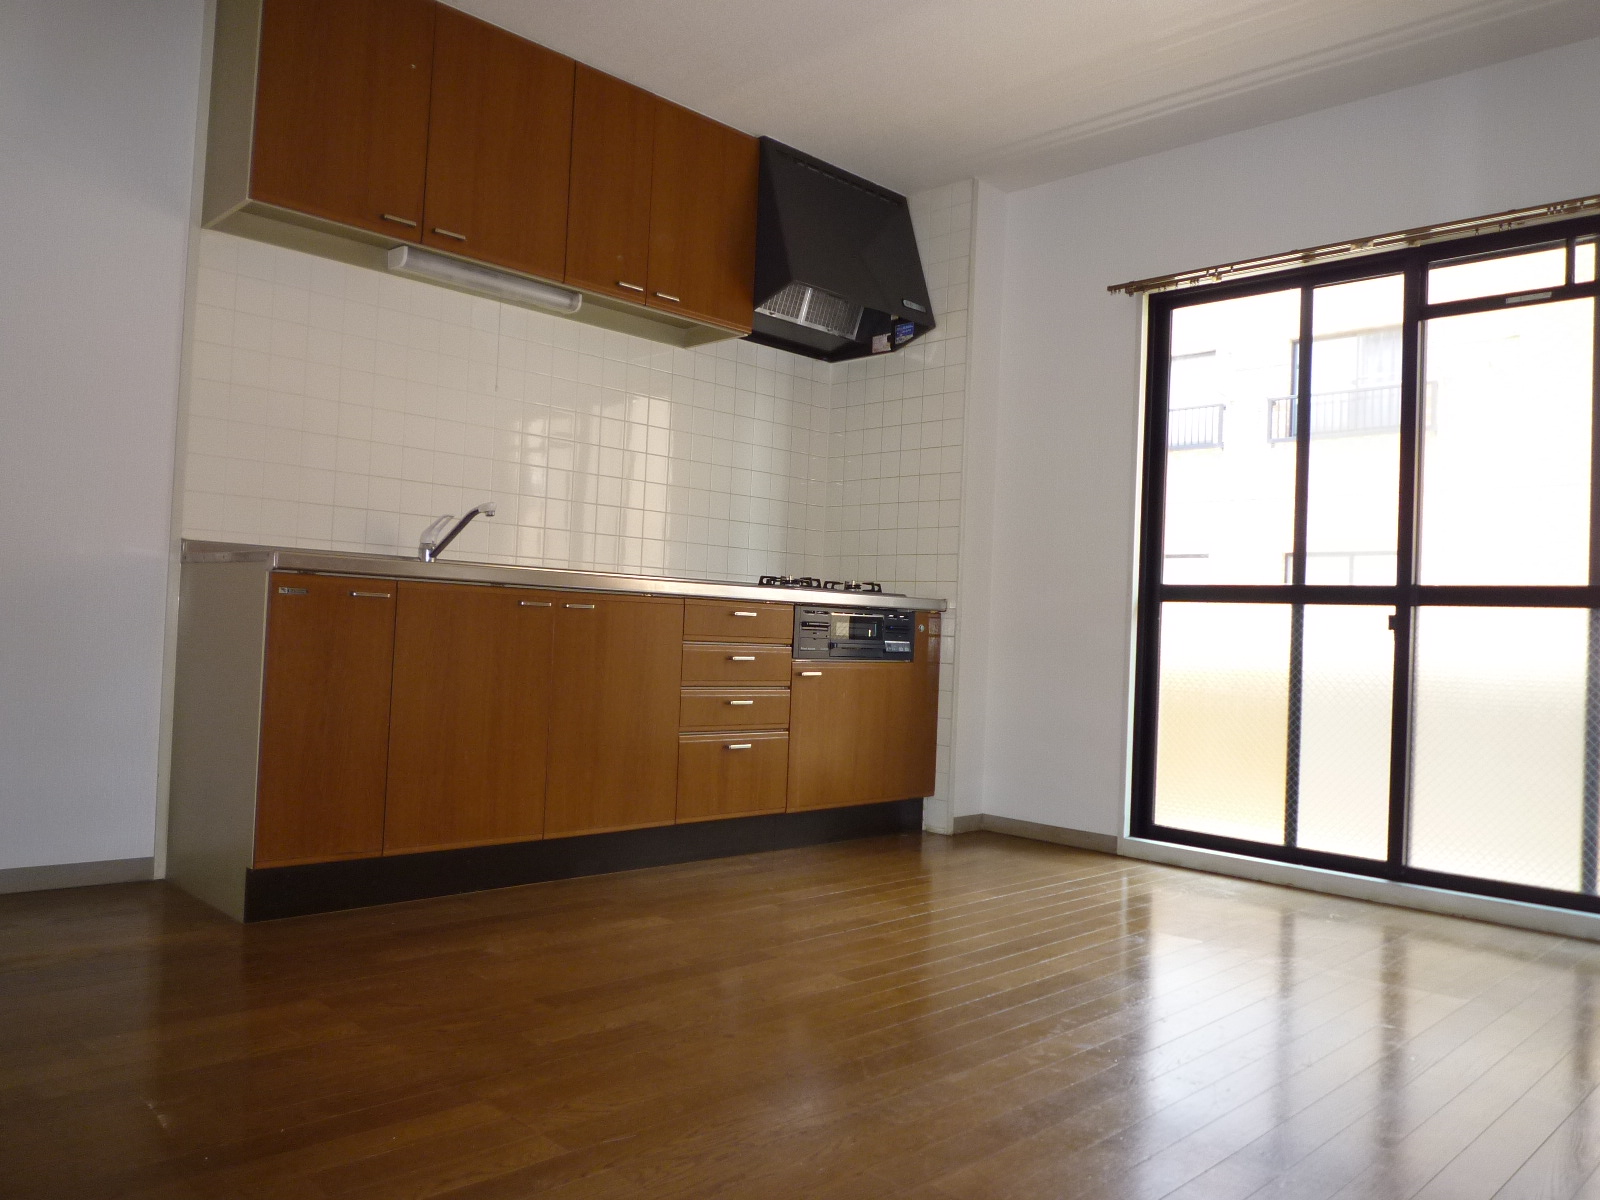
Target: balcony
1341, 414
1196, 428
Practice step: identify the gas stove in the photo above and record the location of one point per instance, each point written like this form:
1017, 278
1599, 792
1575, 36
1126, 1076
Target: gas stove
826, 585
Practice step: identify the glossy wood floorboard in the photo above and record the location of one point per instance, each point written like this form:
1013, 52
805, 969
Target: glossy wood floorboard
911, 1018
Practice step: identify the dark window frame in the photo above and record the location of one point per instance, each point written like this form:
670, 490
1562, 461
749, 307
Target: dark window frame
1405, 597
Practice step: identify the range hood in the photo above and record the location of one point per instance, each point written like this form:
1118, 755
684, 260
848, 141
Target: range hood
837, 270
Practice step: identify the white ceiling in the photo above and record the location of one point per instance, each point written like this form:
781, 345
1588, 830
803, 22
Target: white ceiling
922, 92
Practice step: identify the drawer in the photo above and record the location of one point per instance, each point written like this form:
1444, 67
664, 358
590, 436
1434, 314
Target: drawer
733, 621
731, 775
733, 708
728, 662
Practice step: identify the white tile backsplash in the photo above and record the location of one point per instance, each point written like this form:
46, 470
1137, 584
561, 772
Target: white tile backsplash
336, 407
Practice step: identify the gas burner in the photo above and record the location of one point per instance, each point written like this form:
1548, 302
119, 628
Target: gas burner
851, 585
790, 581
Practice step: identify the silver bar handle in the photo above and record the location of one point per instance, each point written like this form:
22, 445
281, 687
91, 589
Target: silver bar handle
449, 233
533, 603
373, 595
742, 746
746, 614
288, 591
670, 299
399, 220
632, 287
808, 674
579, 606
741, 658
741, 703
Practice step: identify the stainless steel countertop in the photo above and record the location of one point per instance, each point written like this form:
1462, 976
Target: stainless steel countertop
449, 570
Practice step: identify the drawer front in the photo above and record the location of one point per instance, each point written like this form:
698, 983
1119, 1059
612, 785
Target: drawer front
731, 775
731, 621
727, 662
732, 708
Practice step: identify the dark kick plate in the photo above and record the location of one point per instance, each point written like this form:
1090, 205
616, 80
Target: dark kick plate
274, 892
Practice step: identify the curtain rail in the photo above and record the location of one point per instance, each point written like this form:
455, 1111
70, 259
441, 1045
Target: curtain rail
1515, 218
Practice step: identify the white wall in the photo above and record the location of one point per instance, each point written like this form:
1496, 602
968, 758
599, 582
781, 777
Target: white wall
1065, 424
98, 104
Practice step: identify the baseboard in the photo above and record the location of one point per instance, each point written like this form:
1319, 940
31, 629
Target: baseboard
1078, 839
966, 823
71, 875
274, 892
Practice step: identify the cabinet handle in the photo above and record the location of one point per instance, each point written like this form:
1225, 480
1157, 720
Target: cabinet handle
672, 299
533, 603
283, 591
632, 287
373, 595
741, 658
745, 614
742, 746
460, 237
579, 606
741, 703
809, 674
399, 220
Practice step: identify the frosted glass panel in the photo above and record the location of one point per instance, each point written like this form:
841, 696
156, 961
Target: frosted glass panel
1230, 485
1505, 462
1354, 474
1498, 276
1222, 732
1583, 263
1498, 740
1346, 702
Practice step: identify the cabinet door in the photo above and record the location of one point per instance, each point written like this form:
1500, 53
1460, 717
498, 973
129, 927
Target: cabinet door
499, 147
860, 733
614, 730
608, 221
324, 719
731, 774
702, 218
341, 127
737, 621
469, 728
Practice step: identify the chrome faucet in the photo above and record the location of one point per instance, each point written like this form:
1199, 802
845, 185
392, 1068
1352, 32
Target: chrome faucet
432, 545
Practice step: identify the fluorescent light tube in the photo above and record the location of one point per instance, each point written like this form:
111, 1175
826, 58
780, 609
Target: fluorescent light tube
482, 281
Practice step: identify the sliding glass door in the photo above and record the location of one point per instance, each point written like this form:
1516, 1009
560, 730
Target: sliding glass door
1367, 636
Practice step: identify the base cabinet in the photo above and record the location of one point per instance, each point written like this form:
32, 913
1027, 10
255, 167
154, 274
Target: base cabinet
865, 732
731, 774
324, 719
468, 732
614, 724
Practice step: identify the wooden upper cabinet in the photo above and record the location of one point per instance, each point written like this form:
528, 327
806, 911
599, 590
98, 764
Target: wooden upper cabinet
469, 727
341, 111
614, 728
702, 218
324, 719
608, 220
499, 147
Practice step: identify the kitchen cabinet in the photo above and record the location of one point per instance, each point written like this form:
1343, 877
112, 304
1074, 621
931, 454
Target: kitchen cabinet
737, 621
324, 718
613, 760
340, 110
608, 219
499, 147
709, 709
704, 181
469, 726
731, 774
863, 732
731, 662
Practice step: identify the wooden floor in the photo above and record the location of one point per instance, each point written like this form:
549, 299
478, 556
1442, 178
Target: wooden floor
918, 1018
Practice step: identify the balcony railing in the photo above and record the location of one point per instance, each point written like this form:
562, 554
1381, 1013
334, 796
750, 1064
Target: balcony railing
1341, 414
1197, 428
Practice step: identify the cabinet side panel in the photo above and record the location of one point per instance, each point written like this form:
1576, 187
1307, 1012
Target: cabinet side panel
216, 724
232, 107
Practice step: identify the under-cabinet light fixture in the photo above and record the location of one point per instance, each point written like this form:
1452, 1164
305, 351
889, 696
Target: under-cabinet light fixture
482, 281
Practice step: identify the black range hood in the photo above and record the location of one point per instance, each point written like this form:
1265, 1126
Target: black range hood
837, 270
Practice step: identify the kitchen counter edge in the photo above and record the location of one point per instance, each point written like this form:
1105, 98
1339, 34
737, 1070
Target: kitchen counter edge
389, 566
